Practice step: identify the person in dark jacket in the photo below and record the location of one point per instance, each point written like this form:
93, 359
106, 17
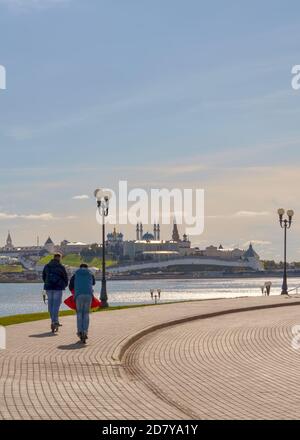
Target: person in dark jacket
81, 284
55, 279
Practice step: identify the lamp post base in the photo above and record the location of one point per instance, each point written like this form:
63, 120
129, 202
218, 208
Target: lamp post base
103, 295
284, 290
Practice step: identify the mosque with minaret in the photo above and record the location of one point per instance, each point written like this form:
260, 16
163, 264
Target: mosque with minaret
149, 245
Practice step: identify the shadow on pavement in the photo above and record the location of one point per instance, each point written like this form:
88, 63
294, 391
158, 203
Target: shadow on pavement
75, 346
43, 335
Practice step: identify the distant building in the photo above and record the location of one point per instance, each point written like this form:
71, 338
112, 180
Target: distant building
9, 244
115, 237
115, 244
4, 260
253, 258
146, 248
150, 246
69, 247
211, 259
49, 246
250, 252
142, 248
220, 252
148, 237
149, 249
175, 233
9, 249
184, 246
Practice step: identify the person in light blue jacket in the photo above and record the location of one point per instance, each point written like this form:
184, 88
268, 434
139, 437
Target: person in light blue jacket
82, 283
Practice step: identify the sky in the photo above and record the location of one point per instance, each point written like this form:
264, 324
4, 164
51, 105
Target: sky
163, 94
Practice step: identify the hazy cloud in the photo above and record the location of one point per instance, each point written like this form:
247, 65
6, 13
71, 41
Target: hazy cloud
257, 243
251, 213
81, 197
245, 214
45, 216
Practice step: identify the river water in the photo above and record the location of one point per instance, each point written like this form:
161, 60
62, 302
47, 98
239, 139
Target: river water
27, 298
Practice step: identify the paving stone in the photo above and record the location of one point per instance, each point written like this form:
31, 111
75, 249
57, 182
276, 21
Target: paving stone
237, 365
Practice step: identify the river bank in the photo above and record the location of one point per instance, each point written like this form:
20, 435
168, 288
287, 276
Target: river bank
29, 277
16, 298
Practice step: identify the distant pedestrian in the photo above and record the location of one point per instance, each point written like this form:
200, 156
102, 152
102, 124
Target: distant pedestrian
81, 284
55, 279
268, 285
266, 288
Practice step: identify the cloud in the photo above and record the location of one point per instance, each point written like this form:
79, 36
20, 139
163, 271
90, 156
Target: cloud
251, 213
244, 214
257, 243
45, 216
81, 197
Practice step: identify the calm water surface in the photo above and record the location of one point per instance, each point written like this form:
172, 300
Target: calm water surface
27, 298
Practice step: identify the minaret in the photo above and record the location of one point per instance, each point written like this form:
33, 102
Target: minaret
137, 232
141, 231
155, 231
175, 234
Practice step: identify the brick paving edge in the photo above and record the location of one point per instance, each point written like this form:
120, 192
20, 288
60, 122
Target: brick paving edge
123, 347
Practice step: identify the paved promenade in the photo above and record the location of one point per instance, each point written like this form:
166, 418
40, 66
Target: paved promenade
221, 359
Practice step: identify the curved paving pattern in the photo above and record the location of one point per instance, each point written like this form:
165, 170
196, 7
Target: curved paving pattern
231, 367
175, 373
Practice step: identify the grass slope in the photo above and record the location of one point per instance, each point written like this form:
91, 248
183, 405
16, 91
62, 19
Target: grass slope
29, 317
75, 260
11, 268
